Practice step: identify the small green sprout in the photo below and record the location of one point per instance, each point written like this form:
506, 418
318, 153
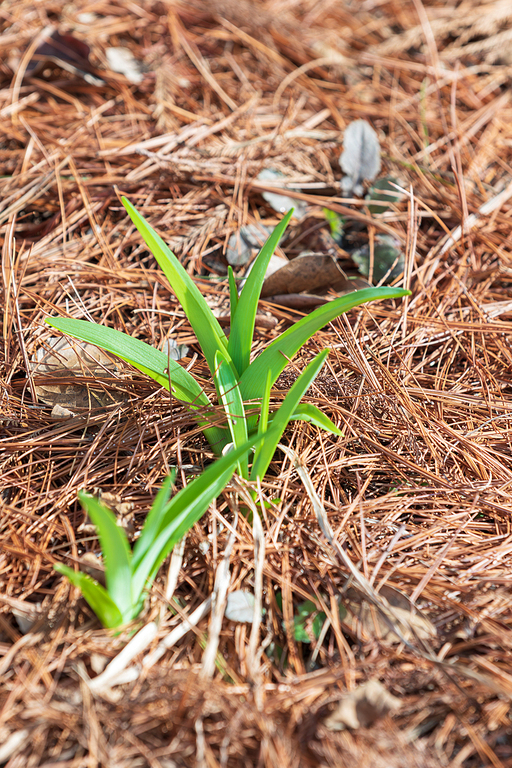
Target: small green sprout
130, 573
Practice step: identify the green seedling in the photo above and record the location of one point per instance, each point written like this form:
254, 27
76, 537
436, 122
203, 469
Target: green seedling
309, 621
129, 573
336, 224
241, 385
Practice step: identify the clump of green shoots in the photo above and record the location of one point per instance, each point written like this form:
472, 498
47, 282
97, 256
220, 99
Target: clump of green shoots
241, 385
128, 573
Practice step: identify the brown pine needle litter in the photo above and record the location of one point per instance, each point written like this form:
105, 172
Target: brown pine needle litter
400, 530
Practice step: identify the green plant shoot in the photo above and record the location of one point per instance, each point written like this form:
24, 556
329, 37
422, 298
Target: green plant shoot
241, 384
129, 573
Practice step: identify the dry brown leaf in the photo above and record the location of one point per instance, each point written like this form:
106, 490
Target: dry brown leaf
362, 707
65, 359
303, 302
123, 510
363, 618
306, 273
64, 50
93, 566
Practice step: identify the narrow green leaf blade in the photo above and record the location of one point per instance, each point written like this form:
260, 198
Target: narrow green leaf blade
116, 552
265, 404
265, 451
229, 394
209, 334
151, 362
310, 413
97, 596
275, 357
233, 295
153, 521
242, 326
184, 510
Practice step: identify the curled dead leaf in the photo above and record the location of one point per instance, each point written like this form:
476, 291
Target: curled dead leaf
362, 707
66, 51
363, 618
93, 566
278, 201
302, 302
63, 359
306, 273
123, 510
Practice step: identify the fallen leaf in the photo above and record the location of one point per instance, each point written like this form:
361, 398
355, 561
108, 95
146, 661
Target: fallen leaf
92, 565
275, 263
364, 619
305, 273
361, 708
123, 510
388, 259
67, 52
278, 201
240, 606
26, 614
305, 302
360, 158
260, 321
59, 412
243, 245
174, 350
64, 359
384, 191
123, 61
302, 302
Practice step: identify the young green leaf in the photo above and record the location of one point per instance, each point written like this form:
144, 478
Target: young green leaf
159, 366
275, 357
265, 451
116, 552
183, 511
303, 622
233, 294
154, 363
97, 596
310, 413
153, 520
210, 335
336, 224
242, 326
265, 405
229, 392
